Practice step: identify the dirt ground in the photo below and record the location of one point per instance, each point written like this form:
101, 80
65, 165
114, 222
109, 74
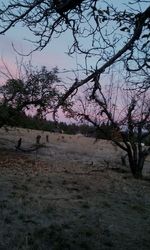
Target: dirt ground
71, 194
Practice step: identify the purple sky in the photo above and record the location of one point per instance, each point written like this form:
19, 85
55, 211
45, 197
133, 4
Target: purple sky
53, 55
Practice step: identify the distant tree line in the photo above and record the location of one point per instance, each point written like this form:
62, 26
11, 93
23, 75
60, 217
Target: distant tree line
9, 116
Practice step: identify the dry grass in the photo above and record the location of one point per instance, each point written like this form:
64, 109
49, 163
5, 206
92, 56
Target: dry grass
66, 197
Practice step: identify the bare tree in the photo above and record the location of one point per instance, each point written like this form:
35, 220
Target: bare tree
129, 123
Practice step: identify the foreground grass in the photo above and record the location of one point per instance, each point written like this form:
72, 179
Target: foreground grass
45, 207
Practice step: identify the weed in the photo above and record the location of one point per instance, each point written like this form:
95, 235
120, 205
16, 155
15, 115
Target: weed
139, 208
49, 210
106, 204
85, 245
8, 220
85, 205
79, 197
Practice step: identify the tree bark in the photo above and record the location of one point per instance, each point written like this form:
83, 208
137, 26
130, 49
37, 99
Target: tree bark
136, 163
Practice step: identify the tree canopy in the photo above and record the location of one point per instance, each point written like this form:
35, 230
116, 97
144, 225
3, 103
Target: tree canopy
36, 90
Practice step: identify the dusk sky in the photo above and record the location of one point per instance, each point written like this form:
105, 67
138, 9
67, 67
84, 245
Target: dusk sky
53, 55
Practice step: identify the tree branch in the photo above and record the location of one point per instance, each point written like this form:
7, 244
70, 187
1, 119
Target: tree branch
140, 20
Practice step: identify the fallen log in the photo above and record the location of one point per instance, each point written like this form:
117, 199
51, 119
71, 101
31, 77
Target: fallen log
32, 149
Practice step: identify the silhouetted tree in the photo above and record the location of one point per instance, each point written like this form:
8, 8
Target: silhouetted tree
127, 125
37, 90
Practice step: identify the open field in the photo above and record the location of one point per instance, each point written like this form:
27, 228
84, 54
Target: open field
70, 194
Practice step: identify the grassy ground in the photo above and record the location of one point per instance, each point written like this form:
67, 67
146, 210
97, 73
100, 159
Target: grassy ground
71, 203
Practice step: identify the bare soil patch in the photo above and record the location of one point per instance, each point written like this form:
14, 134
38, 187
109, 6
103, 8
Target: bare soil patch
71, 194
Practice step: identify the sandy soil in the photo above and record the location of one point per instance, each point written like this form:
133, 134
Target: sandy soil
70, 194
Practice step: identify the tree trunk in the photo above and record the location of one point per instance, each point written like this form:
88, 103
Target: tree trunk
136, 163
